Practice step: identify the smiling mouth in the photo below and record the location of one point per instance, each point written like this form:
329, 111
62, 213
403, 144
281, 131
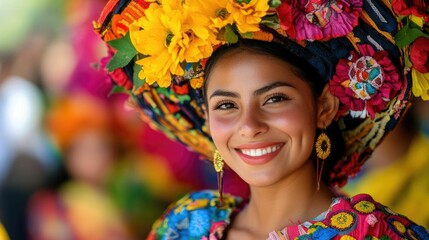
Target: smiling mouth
258, 152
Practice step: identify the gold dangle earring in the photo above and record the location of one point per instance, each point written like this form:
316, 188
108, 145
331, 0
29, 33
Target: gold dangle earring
323, 150
218, 166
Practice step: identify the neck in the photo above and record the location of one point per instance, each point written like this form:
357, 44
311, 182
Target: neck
292, 201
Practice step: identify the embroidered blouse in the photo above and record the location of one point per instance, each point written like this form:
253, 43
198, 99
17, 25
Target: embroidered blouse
196, 216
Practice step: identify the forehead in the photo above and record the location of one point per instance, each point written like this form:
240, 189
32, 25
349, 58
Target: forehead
244, 68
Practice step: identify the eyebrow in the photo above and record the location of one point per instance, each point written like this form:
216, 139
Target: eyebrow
270, 87
224, 94
255, 93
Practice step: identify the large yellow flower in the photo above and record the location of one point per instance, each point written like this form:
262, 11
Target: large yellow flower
149, 36
247, 14
159, 69
168, 35
214, 13
420, 84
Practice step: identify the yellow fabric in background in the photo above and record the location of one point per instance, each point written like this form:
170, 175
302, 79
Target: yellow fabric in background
3, 234
403, 185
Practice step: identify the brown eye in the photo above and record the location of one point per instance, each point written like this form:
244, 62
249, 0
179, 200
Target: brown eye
224, 105
277, 97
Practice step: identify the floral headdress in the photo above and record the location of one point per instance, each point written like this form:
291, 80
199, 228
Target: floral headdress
372, 53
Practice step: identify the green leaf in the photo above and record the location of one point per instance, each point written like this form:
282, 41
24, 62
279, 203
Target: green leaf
407, 61
164, 91
125, 52
117, 89
230, 35
271, 21
184, 98
274, 3
248, 35
137, 82
407, 35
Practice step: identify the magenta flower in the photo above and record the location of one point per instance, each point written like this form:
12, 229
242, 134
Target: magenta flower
320, 19
365, 82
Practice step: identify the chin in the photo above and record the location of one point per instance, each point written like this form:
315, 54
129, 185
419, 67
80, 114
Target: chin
260, 180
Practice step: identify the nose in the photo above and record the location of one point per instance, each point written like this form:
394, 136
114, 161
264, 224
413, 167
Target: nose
252, 124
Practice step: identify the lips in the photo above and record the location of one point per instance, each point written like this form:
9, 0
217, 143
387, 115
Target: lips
258, 153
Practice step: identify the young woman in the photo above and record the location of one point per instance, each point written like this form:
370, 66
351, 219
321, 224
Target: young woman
293, 96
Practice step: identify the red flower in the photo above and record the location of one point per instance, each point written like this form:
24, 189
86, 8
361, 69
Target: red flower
411, 7
284, 11
364, 83
419, 53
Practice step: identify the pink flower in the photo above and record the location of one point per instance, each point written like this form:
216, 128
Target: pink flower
365, 82
371, 220
419, 54
318, 19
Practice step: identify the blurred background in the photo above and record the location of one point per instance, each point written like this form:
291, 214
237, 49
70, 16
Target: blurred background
76, 162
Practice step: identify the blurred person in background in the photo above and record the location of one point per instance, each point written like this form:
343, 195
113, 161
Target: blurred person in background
80, 208
397, 174
25, 158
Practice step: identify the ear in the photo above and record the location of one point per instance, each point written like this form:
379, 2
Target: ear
327, 108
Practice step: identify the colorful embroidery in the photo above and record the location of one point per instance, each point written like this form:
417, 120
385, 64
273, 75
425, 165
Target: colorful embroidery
365, 82
343, 221
196, 217
319, 19
364, 207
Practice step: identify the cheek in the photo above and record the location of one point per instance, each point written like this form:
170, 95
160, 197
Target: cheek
294, 121
298, 123
220, 130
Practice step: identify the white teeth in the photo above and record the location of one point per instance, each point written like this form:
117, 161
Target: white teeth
260, 151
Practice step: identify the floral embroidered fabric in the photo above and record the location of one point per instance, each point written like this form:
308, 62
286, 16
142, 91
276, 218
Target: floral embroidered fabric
196, 216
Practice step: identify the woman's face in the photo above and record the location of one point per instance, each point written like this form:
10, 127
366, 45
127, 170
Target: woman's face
261, 115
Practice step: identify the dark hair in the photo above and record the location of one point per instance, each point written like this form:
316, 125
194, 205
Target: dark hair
302, 68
